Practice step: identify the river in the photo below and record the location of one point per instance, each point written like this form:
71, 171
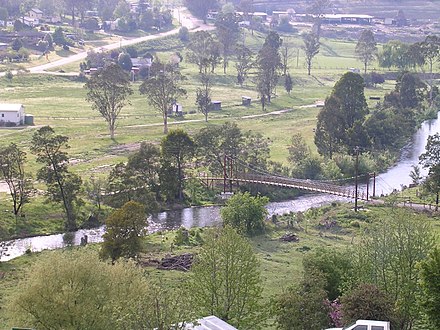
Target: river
395, 178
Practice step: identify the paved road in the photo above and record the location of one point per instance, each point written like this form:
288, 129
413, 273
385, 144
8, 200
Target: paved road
185, 19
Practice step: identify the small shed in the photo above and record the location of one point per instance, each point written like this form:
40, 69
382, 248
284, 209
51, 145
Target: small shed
11, 114
246, 101
216, 105
177, 109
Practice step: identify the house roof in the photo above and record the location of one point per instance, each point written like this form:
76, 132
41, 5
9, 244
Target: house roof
36, 10
10, 107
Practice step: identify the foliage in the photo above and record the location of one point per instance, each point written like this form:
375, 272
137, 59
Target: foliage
245, 213
244, 62
62, 186
366, 302
162, 90
340, 122
184, 33
203, 95
268, 65
96, 295
177, 149
430, 159
199, 50
200, 8
366, 48
225, 280
333, 265
12, 161
108, 90
430, 286
17, 43
288, 83
124, 228
311, 49
303, 307
124, 61
387, 256
227, 32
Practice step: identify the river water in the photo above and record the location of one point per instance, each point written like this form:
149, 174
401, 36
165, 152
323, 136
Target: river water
395, 178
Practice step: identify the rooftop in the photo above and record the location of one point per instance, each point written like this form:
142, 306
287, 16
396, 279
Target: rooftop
12, 107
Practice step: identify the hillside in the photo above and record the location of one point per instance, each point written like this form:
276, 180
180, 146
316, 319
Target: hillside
413, 9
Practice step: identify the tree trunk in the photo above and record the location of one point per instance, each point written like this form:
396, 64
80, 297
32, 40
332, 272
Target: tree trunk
165, 123
365, 67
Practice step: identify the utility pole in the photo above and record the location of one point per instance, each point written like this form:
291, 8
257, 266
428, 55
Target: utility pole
356, 167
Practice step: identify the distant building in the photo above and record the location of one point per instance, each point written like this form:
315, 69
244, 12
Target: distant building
35, 13
347, 19
11, 114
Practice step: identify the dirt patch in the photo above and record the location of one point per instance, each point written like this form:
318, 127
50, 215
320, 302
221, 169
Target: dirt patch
124, 148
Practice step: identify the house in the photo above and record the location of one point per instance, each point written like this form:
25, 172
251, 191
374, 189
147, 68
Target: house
35, 13
11, 114
32, 22
3, 46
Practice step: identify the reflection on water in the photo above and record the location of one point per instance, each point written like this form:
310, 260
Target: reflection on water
394, 178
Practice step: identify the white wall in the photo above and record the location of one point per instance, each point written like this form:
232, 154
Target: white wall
16, 117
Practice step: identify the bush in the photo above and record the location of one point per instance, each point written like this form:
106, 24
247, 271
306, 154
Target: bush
184, 34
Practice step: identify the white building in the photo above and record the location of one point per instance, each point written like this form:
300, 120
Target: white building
11, 113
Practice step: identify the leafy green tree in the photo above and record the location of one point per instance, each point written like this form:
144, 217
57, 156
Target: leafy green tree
12, 161
344, 111
387, 257
268, 67
203, 95
200, 8
178, 148
162, 90
62, 186
366, 48
430, 286
227, 32
214, 142
124, 61
122, 9
430, 159
124, 228
407, 88
430, 51
288, 83
225, 280
335, 266
17, 44
311, 49
108, 90
184, 34
366, 302
199, 50
245, 213
244, 62
302, 307
94, 295
137, 180
58, 37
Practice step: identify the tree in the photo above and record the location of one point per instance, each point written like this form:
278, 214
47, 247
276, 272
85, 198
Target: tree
430, 159
311, 49
225, 280
344, 110
177, 149
228, 32
244, 62
245, 213
318, 8
387, 257
216, 141
199, 50
430, 49
366, 48
203, 96
288, 83
286, 54
108, 90
303, 307
162, 90
430, 286
12, 171
124, 228
366, 302
268, 65
58, 37
17, 44
124, 61
122, 9
62, 186
201, 7
94, 295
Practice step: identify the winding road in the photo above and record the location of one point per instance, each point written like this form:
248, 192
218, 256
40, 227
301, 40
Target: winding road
180, 14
